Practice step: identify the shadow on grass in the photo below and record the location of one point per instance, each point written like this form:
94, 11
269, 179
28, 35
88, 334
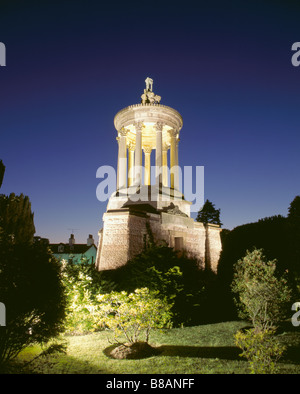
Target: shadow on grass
61, 364
220, 352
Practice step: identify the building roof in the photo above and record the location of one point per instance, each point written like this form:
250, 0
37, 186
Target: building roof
70, 249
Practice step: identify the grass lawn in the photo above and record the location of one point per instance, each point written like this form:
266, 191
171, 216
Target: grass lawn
205, 349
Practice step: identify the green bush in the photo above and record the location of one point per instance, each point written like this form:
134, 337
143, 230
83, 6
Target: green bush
261, 296
82, 286
176, 277
32, 291
30, 282
133, 315
261, 349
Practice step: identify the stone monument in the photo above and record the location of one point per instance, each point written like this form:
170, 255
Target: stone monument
146, 201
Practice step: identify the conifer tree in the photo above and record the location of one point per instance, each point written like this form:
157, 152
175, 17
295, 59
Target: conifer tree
209, 214
16, 218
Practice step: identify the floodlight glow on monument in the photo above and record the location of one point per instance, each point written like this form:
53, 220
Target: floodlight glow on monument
143, 203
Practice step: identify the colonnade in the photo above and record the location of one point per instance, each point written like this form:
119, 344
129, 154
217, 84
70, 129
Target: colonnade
130, 158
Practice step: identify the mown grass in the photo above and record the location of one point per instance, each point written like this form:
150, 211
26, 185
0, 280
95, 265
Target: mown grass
206, 349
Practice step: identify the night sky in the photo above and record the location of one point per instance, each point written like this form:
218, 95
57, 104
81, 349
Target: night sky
224, 65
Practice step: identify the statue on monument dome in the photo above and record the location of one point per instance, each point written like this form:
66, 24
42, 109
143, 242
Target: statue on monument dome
149, 97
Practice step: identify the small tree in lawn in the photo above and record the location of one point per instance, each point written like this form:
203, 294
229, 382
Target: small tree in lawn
133, 315
209, 214
262, 349
262, 297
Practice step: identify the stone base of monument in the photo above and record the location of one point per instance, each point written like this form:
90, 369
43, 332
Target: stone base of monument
128, 225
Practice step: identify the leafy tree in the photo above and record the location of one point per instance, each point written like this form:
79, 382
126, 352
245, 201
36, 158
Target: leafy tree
30, 282
269, 234
135, 314
31, 289
262, 296
177, 278
209, 214
82, 284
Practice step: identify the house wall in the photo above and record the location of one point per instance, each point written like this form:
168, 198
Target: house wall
90, 255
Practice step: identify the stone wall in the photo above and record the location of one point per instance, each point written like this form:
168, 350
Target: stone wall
125, 232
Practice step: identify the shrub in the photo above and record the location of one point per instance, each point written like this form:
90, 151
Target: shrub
31, 289
261, 349
262, 296
82, 285
177, 278
133, 315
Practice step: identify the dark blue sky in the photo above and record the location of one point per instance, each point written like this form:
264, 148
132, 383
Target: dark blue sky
225, 66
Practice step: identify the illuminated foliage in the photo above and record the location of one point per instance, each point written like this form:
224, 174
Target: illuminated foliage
82, 284
133, 315
262, 296
261, 349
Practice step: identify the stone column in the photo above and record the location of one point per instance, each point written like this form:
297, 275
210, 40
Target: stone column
176, 173
173, 157
122, 159
131, 148
118, 140
138, 154
158, 153
147, 175
165, 164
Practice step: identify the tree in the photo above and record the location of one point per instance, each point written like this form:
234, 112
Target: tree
82, 284
269, 234
294, 210
177, 277
30, 281
209, 214
262, 296
263, 299
262, 350
133, 315
293, 242
31, 289
16, 219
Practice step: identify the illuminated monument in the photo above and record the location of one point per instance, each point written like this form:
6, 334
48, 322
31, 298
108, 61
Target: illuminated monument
147, 202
